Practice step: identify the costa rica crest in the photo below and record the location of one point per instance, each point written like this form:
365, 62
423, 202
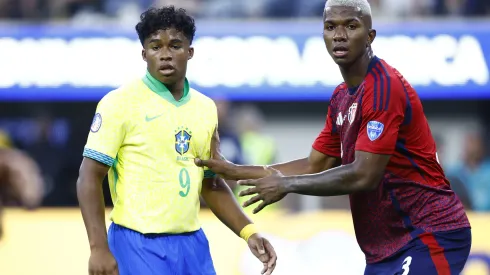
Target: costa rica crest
352, 112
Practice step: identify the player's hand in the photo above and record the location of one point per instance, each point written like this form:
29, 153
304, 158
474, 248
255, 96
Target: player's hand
263, 250
221, 167
102, 262
268, 190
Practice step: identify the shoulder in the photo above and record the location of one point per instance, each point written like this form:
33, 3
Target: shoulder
202, 99
384, 78
121, 97
384, 87
338, 93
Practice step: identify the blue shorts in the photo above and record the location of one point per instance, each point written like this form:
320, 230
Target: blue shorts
438, 253
160, 254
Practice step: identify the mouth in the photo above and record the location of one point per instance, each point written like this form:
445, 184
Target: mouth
166, 69
340, 51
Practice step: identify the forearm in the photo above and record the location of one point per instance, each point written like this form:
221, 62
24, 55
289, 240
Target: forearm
295, 167
222, 202
334, 182
91, 200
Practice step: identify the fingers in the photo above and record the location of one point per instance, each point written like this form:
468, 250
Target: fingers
104, 271
265, 253
260, 207
260, 247
247, 182
272, 255
199, 162
257, 248
272, 170
264, 269
249, 191
251, 201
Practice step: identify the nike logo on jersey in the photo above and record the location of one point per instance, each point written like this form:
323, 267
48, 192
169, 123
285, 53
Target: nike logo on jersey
148, 119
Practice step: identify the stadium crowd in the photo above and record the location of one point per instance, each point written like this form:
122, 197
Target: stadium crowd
82, 9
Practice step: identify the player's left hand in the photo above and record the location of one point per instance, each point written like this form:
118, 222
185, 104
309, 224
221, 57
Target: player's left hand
263, 250
269, 189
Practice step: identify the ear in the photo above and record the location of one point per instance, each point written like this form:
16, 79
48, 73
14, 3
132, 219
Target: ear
371, 37
143, 54
191, 52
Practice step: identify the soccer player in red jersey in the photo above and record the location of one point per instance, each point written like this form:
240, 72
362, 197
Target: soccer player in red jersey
406, 217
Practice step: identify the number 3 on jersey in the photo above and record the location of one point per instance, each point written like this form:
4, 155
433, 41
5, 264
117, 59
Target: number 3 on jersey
406, 265
185, 182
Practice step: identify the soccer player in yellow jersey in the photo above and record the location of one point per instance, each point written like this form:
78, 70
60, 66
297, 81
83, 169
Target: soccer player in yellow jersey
145, 136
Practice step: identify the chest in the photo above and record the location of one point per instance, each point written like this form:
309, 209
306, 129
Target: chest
348, 122
167, 130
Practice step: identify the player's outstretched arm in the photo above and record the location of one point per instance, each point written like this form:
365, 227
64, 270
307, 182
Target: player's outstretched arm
91, 200
315, 163
364, 174
221, 201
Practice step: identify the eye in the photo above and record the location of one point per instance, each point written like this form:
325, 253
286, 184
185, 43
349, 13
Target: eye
329, 27
351, 26
155, 48
176, 47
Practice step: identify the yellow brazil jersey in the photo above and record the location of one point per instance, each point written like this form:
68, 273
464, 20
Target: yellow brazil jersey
149, 140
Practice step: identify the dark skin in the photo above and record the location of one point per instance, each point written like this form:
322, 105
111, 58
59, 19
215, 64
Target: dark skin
346, 30
166, 53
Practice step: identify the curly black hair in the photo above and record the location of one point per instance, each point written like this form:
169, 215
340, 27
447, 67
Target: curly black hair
165, 18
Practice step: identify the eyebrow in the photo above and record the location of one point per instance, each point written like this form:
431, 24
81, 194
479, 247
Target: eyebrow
176, 40
347, 20
154, 40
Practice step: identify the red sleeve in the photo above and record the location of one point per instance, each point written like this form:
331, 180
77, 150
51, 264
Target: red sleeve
383, 109
328, 141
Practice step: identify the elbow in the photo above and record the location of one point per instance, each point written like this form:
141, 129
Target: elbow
368, 185
368, 181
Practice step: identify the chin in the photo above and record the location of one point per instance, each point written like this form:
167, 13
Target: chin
341, 61
167, 79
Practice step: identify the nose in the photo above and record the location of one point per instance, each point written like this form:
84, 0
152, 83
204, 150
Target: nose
165, 54
340, 35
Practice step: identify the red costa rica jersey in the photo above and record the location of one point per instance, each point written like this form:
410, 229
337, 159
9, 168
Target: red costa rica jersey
384, 115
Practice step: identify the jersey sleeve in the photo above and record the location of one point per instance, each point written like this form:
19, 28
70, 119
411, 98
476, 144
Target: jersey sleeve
212, 141
107, 132
328, 141
383, 111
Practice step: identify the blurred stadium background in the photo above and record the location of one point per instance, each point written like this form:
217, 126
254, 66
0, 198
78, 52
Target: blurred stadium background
265, 64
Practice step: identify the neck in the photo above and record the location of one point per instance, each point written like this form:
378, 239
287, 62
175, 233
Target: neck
176, 89
354, 74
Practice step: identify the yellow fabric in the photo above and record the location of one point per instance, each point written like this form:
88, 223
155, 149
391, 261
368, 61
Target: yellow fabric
4, 140
258, 150
150, 144
248, 231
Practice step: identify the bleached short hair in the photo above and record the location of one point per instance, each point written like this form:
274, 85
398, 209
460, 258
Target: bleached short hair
363, 5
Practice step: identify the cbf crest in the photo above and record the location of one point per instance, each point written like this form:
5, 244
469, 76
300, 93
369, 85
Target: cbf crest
374, 129
182, 140
352, 112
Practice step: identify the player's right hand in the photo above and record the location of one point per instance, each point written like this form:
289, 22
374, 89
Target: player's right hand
102, 262
221, 167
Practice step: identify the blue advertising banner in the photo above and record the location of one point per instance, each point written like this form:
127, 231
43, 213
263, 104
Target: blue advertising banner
241, 61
